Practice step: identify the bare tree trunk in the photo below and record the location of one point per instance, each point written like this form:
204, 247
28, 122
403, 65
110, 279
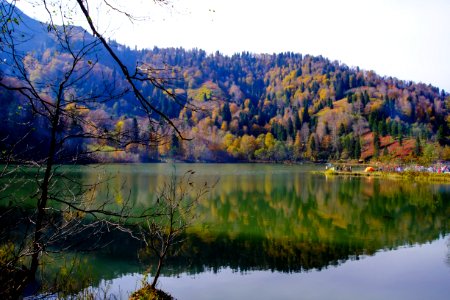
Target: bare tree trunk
42, 202
158, 269
165, 247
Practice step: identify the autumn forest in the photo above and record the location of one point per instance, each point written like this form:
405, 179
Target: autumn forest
247, 107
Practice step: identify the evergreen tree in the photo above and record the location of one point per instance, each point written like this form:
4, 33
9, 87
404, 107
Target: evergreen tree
330, 103
400, 133
175, 147
376, 144
135, 129
297, 122
351, 146
440, 136
305, 117
339, 89
393, 128
350, 98
417, 147
366, 98
380, 128
311, 150
226, 113
290, 128
357, 148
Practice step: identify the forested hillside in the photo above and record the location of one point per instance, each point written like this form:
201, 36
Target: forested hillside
247, 107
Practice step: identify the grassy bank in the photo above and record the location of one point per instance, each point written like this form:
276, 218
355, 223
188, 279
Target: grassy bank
406, 175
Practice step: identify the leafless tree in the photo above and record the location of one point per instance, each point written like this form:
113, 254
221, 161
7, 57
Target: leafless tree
175, 207
64, 208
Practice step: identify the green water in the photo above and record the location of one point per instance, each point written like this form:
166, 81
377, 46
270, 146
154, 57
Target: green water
278, 223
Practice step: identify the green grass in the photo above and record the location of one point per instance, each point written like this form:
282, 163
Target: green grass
149, 293
407, 175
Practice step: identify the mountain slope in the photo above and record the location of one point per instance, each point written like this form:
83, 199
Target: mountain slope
261, 107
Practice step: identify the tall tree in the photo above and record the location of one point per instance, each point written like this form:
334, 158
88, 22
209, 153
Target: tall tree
58, 100
305, 116
226, 112
357, 147
417, 146
376, 144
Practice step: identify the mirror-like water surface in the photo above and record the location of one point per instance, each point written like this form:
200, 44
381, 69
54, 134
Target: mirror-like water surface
417, 272
276, 231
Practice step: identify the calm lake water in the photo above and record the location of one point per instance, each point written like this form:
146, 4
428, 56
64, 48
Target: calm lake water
280, 232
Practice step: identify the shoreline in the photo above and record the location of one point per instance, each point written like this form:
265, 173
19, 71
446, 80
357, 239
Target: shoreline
405, 175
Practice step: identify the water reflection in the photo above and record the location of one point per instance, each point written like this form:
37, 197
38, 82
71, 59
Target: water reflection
274, 217
448, 253
271, 217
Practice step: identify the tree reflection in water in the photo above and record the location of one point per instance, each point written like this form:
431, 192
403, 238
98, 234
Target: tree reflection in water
283, 218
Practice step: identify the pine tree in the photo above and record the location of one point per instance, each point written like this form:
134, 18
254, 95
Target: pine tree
305, 117
417, 147
290, 128
393, 127
175, 148
311, 150
357, 148
400, 133
226, 113
376, 144
297, 122
330, 103
349, 98
440, 136
366, 98
135, 129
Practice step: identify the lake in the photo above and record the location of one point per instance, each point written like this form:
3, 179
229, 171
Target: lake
270, 231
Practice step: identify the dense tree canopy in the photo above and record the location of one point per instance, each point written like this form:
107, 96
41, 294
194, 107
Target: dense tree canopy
313, 108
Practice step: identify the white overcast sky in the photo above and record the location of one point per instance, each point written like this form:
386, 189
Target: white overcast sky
407, 39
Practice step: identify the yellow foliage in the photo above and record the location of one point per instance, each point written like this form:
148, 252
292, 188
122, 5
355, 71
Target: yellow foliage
119, 126
324, 94
248, 144
445, 154
269, 140
208, 121
194, 117
233, 149
224, 126
260, 140
76, 110
376, 105
163, 148
228, 140
119, 198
